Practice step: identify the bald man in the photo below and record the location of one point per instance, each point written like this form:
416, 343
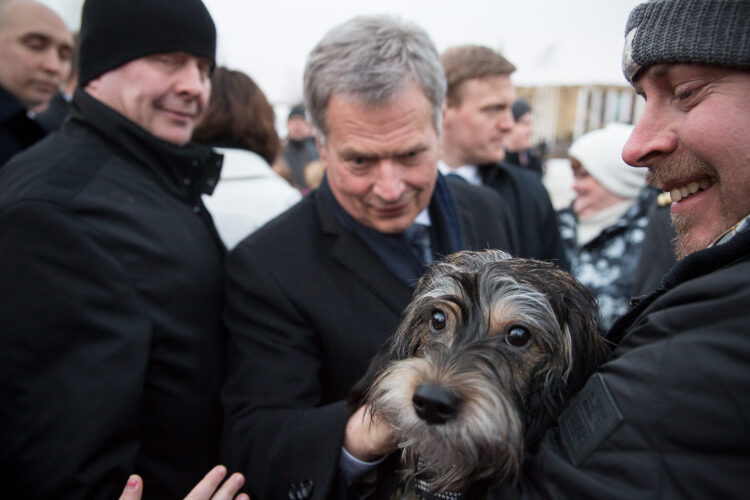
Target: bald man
36, 48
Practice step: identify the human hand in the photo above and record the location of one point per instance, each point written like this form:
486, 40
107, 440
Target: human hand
204, 490
369, 437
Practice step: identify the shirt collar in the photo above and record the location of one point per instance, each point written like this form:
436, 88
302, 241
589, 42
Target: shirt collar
469, 173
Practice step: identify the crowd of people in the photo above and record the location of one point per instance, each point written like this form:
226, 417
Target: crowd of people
181, 288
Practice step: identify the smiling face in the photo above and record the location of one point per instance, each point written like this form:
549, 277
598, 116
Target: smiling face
166, 94
35, 52
694, 137
381, 160
475, 126
591, 195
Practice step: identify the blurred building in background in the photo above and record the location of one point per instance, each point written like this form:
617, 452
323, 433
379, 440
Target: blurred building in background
564, 113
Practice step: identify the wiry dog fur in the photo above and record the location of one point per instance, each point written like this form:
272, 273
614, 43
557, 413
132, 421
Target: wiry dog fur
500, 343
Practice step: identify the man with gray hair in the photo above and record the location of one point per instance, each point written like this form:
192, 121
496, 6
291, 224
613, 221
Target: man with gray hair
669, 415
314, 293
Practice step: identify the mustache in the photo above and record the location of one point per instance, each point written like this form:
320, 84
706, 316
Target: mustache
678, 168
188, 106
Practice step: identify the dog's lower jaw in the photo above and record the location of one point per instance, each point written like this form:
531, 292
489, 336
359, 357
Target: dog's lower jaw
456, 455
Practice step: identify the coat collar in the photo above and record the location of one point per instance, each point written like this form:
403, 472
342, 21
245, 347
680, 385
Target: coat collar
185, 171
356, 257
9, 106
700, 263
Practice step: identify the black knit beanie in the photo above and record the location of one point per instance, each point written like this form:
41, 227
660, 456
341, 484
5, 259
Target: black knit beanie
520, 108
712, 32
114, 32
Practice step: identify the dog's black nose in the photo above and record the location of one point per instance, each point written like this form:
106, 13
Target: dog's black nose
435, 404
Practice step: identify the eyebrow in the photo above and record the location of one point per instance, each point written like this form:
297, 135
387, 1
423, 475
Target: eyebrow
657, 71
352, 153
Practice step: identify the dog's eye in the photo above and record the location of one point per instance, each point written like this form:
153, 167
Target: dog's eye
437, 320
517, 336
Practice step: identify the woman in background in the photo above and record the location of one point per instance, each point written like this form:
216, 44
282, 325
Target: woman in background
240, 124
603, 229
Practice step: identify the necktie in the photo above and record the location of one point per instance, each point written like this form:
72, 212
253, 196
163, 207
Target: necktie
418, 236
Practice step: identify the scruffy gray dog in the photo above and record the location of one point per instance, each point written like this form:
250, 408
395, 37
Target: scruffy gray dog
488, 350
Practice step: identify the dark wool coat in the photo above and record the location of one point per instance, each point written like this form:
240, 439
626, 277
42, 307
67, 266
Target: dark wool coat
531, 209
309, 304
669, 415
111, 340
17, 130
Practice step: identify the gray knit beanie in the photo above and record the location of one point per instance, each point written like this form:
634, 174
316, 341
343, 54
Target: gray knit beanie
712, 32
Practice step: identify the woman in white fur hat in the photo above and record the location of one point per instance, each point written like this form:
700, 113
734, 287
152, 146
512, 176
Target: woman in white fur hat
604, 227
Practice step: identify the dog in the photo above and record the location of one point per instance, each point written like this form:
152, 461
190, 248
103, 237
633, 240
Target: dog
486, 354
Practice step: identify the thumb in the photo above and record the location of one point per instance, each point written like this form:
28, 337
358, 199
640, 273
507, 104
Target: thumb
133, 488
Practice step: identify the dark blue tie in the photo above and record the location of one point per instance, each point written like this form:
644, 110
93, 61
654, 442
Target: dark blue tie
418, 236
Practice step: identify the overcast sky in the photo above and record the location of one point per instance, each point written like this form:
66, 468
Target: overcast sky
549, 41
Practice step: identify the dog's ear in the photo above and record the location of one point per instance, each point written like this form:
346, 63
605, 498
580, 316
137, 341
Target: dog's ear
401, 345
578, 316
358, 393
589, 346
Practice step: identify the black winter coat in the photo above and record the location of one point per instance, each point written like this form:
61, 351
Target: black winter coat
111, 341
531, 209
669, 415
17, 130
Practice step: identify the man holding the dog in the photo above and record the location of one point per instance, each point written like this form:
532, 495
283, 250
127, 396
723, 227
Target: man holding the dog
314, 293
669, 415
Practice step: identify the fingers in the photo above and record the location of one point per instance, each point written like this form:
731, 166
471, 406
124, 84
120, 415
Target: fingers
133, 488
205, 489
230, 488
368, 437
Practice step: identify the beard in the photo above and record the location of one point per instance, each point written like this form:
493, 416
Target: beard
684, 245
685, 166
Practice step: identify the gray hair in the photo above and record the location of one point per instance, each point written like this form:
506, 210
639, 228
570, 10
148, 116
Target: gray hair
372, 58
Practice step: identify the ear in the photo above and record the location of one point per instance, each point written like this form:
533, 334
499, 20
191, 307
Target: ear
449, 113
358, 393
92, 86
401, 345
577, 315
589, 346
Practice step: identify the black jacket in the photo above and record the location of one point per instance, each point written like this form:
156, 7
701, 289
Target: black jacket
17, 130
309, 304
669, 415
111, 342
531, 209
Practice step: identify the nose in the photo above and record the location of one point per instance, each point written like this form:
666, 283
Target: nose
505, 121
653, 137
52, 63
389, 186
435, 404
577, 185
191, 80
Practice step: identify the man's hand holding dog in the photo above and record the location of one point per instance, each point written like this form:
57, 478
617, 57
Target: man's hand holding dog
369, 437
